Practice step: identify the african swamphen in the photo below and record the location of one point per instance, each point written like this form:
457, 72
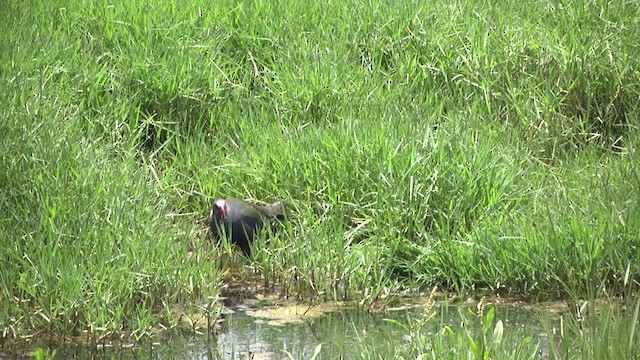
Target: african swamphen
241, 221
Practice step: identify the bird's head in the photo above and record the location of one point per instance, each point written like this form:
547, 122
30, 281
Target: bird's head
219, 209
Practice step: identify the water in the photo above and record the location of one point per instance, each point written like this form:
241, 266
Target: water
340, 333
343, 333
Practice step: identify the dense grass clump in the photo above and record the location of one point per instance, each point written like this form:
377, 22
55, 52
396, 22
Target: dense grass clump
90, 242
462, 144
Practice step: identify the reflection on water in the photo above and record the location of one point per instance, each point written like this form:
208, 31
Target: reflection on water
342, 333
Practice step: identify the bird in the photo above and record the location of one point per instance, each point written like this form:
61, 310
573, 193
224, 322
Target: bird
240, 221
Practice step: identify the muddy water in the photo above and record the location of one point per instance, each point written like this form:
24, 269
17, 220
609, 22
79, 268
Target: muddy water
263, 330
346, 333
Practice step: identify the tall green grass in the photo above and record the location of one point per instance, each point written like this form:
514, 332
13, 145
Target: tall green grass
91, 246
462, 144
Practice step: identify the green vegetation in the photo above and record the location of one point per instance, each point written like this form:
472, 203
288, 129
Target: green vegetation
600, 332
469, 145
480, 331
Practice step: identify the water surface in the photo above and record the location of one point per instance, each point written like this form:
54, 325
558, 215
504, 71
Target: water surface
343, 332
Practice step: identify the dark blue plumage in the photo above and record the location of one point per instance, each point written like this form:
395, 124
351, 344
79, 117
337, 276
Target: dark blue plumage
241, 221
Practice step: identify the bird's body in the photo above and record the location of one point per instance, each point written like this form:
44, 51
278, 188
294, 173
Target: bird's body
240, 221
